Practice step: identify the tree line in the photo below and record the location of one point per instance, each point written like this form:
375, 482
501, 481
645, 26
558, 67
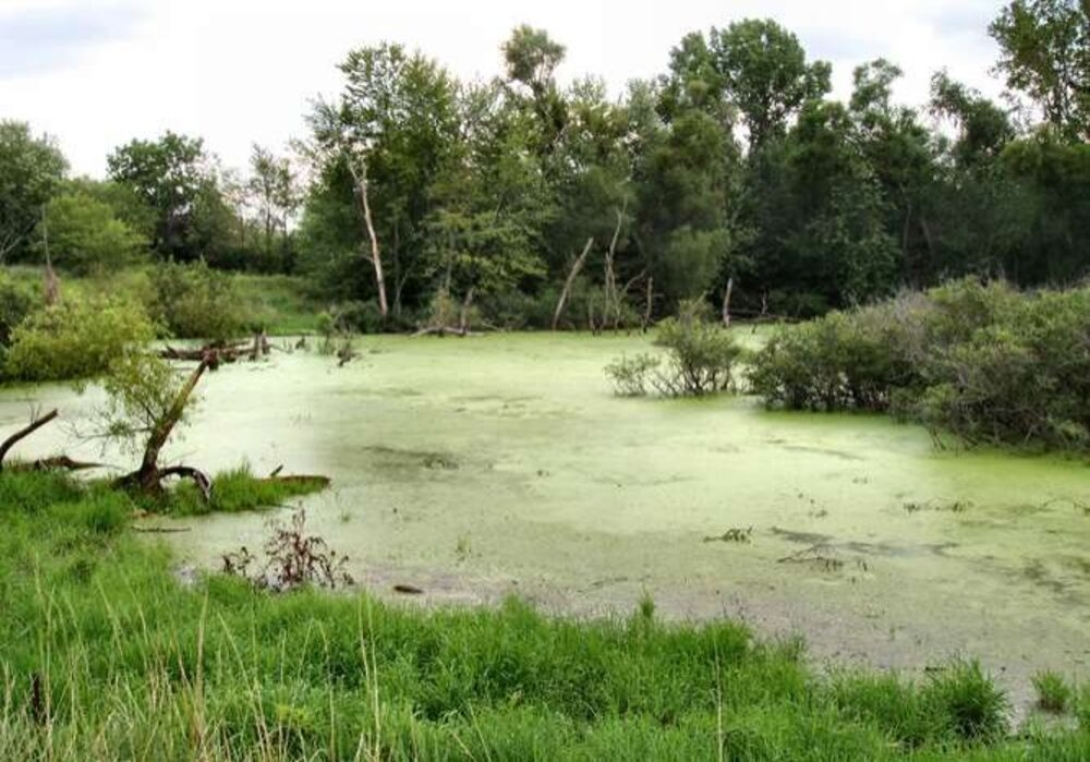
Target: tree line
536, 203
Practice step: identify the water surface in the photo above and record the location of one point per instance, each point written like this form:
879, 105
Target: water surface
473, 468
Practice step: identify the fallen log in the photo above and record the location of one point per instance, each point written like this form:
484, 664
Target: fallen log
300, 479
63, 463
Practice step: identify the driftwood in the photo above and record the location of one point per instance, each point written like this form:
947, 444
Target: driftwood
63, 463
25, 432
575, 268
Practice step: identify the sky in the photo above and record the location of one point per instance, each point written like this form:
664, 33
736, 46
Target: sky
95, 74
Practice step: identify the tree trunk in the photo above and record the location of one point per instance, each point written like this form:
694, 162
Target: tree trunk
464, 318
726, 302
575, 268
360, 177
148, 478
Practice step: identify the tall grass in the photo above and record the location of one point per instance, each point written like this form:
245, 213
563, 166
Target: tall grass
103, 655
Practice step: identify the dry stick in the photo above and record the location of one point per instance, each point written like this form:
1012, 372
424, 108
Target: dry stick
575, 268
23, 433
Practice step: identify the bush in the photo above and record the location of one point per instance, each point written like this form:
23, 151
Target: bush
16, 303
701, 353
76, 339
700, 358
989, 364
196, 302
632, 376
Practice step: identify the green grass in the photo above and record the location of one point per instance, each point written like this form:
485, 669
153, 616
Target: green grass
279, 302
105, 655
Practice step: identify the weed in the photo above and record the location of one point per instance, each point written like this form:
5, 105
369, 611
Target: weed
1053, 692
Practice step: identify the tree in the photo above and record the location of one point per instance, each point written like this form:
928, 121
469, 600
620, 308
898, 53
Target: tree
764, 70
176, 178
274, 188
377, 150
83, 235
1045, 54
31, 171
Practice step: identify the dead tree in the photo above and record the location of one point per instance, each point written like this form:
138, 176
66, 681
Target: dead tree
359, 177
575, 268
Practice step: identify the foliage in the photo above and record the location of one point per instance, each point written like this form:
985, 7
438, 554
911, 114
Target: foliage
632, 376
1045, 54
83, 235
31, 170
174, 177
700, 358
16, 302
76, 339
195, 301
141, 390
989, 364
701, 354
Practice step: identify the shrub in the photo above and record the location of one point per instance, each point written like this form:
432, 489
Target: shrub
989, 364
701, 353
16, 302
700, 358
631, 376
196, 302
76, 339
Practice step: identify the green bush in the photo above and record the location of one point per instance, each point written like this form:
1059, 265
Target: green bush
982, 361
632, 376
196, 302
701, 353
76, 339
16, 302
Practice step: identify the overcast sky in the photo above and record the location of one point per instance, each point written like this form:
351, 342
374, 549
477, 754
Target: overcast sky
97, 73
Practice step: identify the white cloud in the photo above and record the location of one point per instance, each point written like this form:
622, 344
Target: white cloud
239, 71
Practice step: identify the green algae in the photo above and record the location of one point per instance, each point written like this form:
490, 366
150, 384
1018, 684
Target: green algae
513, 446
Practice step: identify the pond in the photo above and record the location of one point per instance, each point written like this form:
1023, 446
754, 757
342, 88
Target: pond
473, 468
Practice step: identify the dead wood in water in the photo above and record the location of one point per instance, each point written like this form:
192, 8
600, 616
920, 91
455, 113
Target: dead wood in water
35, 424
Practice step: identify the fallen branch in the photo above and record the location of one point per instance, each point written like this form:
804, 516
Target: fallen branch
162, 530
25, 432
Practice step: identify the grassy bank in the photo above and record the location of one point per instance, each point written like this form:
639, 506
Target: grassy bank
277, 302
106, 654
